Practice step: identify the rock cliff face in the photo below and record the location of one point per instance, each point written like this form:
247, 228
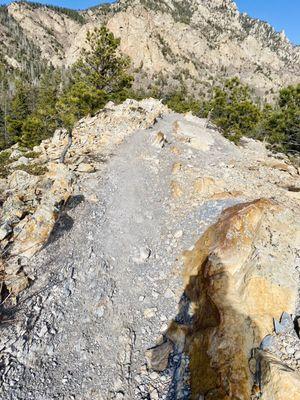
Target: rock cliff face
114, 302
171, 41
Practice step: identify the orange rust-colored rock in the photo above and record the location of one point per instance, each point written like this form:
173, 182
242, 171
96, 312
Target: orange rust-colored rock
176, 167
206, 185
239, 276
175, 150
176, 190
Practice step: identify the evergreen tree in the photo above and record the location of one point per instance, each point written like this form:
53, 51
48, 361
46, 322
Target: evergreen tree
20, 108
4, 140
180, 102
233, 110
98, 76
101, 66
43, 121
281, 123
77, 101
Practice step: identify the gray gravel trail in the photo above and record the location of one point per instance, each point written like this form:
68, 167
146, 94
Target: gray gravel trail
109, 281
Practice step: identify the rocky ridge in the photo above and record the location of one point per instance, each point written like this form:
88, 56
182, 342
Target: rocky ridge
170, 42
117, 307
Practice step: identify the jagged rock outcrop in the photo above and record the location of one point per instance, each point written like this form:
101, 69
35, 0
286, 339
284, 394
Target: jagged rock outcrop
170, 42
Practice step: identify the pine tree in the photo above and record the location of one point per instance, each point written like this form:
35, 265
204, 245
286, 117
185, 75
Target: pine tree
281, 123
20, 108
101, 66
43, 121
233, 110
79, 100
98, 76
4, 140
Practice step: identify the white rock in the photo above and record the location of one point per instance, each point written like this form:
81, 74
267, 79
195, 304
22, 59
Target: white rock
88, 168
144, 254
43, 331
15, 154
178, 234
164, 328
21, 161
154, 395
297, 355
169, 294
150, 312
154, 376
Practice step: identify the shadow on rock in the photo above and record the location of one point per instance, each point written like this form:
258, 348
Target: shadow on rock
232, 292
74, 202
65, 222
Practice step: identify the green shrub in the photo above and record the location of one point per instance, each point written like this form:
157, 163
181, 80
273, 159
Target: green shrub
4, 162
233, 110
33, 169
180, 102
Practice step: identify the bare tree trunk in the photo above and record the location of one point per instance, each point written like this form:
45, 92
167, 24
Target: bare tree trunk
66, 149
208, 118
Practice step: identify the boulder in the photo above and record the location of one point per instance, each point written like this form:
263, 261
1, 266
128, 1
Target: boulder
60, 137
16, 283
36, 229
158, 357
5, 230
279, 165
84, 167
21, 161
278, 382
206, 185
15, 154
20, 181
240, 274
13, 209
194, 136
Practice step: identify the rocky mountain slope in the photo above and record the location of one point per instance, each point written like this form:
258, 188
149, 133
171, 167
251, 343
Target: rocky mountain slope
170, 42
171, 270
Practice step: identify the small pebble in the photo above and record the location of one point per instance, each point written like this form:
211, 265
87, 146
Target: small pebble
154, 376
178, 234
150, 312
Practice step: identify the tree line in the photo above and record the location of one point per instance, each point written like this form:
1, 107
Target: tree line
31, 111
237, 112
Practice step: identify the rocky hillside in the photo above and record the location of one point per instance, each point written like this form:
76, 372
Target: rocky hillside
170, 42
161, 261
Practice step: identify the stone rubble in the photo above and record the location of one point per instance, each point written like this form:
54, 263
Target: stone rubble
110, 312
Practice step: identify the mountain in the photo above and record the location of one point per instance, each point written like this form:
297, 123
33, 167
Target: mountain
170, 42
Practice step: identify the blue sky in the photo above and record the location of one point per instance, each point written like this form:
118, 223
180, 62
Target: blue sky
282, 14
